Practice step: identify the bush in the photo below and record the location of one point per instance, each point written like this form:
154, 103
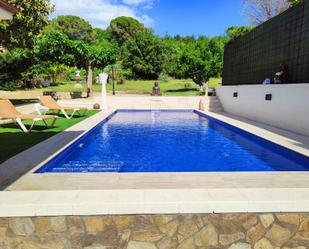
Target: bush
52, 73
187, 85
127, 73
9, 86
13, 64
164, 77
236, 32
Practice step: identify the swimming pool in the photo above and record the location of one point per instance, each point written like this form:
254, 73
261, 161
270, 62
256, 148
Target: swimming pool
171, 141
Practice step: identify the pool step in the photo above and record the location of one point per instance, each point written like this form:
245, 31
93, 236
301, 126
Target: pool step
211, 104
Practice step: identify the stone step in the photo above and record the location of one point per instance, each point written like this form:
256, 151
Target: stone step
215, 110
211, 104
217, 104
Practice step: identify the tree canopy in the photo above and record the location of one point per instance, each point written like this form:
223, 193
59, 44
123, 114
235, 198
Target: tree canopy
143, 55
70, 41
74, 27
56, 47
202, 59
198, 59
236, 32
124, 28
21, 31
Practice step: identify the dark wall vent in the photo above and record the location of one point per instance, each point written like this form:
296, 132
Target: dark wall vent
268, 97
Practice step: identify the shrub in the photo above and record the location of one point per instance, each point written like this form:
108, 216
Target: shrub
9, 85
164, 77
236, 32
187, 85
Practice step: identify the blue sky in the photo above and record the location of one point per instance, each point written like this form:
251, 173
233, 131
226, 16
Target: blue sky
195, 17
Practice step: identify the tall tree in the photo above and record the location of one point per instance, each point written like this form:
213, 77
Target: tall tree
90, 47
13, 63
123, 28
90, 56
174, 47
182, 54
202, 58
143, 55
20, 32
216, 47
56, 47
74, 27
196, 60
259, 11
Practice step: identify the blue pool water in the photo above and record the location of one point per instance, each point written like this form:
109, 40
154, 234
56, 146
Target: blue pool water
172, 141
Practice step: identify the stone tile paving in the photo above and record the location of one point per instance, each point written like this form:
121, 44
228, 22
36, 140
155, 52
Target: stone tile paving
204, 231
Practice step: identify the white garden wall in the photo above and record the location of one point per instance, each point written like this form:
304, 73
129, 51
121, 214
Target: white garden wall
4, 14
288, 109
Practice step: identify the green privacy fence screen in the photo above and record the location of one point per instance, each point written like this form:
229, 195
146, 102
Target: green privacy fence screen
258, 55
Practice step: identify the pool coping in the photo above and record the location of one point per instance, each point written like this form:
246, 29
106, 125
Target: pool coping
141, 193
171, 201
275, 135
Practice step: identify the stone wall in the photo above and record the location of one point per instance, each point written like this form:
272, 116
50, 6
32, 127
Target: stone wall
205, 231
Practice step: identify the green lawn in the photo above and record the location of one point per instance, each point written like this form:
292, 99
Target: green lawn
171, 88
14, 141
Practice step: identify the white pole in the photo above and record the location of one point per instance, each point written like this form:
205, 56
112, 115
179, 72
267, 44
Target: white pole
103, 80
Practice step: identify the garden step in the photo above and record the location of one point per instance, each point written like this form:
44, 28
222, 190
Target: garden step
211, 104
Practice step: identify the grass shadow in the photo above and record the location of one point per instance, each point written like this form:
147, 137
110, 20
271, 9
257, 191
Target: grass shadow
183, 90
37, 127
61, 115
17, 142
14, 140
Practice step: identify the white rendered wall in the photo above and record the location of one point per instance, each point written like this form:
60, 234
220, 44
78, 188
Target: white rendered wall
288, 109
5, 15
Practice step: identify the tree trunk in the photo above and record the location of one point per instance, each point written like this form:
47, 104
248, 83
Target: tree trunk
89, 80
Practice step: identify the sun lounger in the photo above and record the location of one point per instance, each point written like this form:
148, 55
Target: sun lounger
8, 111
48, 103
